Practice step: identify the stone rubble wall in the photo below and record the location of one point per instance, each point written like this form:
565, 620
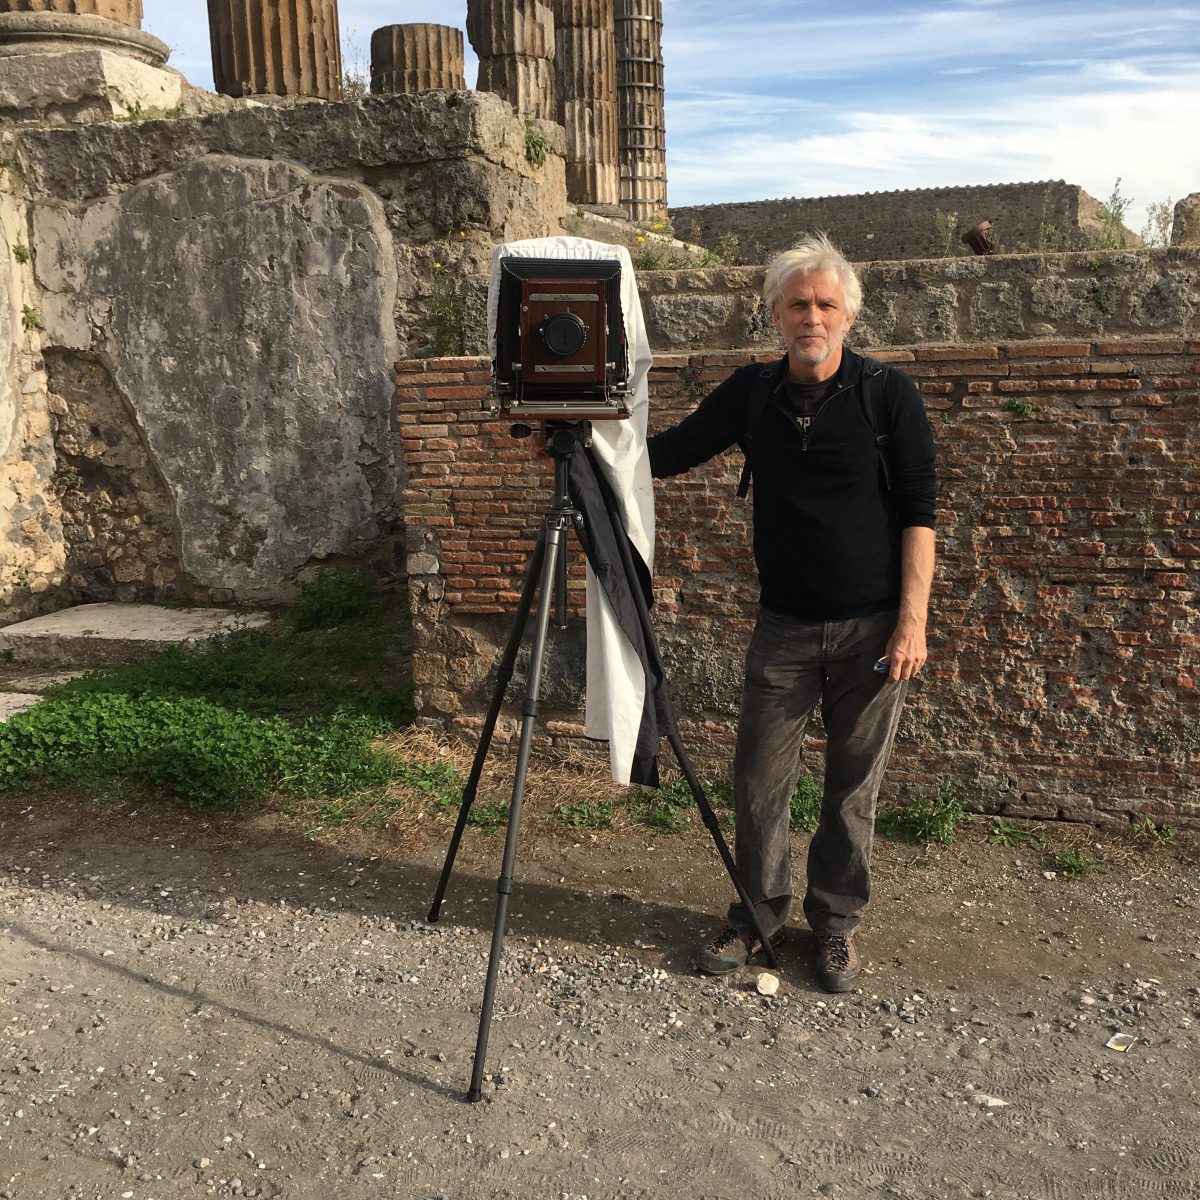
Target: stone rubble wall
1062, 680
205, 409
901, 224
940, 301
927, 302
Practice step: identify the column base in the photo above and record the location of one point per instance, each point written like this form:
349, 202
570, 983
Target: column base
79, 86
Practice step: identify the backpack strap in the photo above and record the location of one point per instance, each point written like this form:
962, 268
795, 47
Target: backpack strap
764, 384
871, 396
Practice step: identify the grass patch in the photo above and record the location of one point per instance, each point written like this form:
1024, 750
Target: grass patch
292, 711
586, 814
1074, 864
926, 819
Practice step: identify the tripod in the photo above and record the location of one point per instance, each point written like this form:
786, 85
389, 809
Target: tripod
546, 572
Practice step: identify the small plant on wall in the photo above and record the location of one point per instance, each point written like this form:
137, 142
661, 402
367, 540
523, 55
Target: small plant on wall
445, 322
537, 146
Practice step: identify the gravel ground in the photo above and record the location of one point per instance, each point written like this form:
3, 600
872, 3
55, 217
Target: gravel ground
191, 1007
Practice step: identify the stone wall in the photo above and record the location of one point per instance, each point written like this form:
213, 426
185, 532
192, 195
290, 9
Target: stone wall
1051, 215
931, 301
1062, 681
203, 409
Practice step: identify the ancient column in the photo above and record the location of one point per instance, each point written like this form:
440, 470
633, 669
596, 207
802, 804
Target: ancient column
417, 58
514, 40
276, 47
585, 71
641, 121
127, 12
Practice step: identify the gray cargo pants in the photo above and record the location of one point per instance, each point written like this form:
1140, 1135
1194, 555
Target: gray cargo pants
790, 666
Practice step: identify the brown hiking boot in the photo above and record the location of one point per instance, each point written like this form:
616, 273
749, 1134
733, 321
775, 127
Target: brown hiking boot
730, 949
838, 964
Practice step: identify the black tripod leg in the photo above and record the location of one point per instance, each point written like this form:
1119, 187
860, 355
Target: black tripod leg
554, 546
504, 673
706, 813
713, 825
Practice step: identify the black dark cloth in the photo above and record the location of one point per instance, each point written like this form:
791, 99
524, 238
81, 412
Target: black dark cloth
626, 581
826, 525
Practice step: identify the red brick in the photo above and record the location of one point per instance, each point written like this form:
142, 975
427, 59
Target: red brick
1024, 370
1142, 346
1066, 385
1047, 349
956, 353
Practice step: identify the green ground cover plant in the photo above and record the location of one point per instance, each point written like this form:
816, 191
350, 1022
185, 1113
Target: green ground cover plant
926, 818
291, 711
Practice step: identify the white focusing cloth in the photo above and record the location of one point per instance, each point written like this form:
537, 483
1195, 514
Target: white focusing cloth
616, 685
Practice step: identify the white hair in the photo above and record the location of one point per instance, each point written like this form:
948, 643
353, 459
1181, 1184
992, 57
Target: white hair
813, 252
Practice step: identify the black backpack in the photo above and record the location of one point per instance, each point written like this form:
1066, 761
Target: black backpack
870, 395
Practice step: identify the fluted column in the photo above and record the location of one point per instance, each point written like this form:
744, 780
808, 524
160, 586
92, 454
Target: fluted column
641, 119
585, 70
276, 47
514, 40
126, 12
417, 58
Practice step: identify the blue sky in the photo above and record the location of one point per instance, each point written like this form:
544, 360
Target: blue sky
774, 98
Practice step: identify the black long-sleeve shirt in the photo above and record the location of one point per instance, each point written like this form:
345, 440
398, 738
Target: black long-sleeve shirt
826, 523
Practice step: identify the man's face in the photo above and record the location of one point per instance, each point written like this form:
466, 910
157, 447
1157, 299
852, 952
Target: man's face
811, 316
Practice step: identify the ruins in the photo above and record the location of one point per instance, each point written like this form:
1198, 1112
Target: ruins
276, 47
202, 296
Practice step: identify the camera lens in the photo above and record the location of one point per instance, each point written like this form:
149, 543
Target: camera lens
564, 334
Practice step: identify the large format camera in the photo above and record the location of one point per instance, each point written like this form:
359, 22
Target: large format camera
561, 350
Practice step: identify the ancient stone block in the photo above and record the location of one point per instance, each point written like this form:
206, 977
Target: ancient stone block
276, 47
245, 309
417, 58
81, 85
684, 321
996, 311
1185, 231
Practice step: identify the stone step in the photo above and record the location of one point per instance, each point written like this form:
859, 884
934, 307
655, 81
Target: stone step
101, 634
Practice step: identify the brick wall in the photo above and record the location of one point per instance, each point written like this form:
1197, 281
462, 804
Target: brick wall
1063, 672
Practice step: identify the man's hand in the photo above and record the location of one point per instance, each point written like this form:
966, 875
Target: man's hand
906, 653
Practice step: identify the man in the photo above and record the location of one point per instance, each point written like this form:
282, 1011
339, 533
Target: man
842, 462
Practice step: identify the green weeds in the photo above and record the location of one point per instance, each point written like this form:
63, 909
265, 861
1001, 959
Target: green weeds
1013, 835
292, 711
211, 756
586, 814
1074, 864
925, 819
806, 804
332, 597
537, 145
445, 322
1147, 833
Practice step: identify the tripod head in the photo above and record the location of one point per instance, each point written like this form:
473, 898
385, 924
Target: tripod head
559, 439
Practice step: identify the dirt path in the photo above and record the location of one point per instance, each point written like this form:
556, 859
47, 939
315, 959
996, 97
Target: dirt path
194, 1008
